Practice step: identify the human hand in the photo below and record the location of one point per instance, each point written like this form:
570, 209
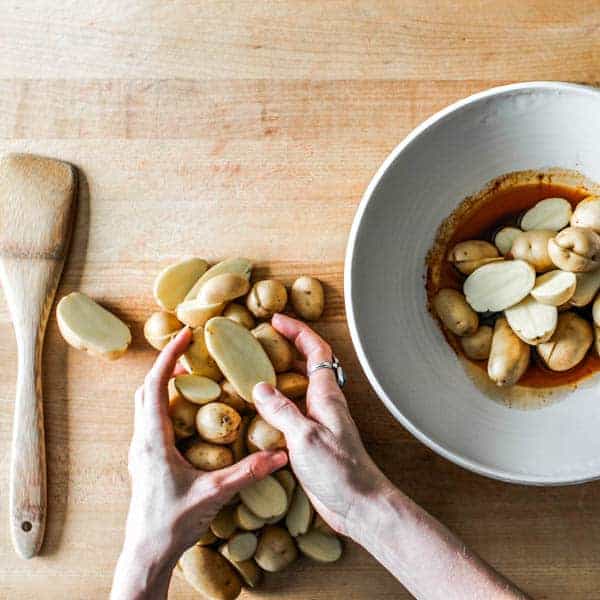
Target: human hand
173, 503
325, 449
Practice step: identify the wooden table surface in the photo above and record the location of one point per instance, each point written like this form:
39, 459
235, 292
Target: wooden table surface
220, 128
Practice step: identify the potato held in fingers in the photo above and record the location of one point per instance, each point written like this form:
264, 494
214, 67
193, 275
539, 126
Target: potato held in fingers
210, 573
86, 325
181, 412
509, 355
239, 355
175, 281
472, 254
456, 315
532, 321
575, 249
293, 385
569, 344
160, 328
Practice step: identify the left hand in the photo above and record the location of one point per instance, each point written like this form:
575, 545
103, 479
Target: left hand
173, 503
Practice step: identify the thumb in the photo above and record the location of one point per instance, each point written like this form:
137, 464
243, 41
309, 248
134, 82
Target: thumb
256, 466
277, 410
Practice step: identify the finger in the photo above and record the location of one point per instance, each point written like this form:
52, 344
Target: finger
323, 386
155, 388
256, 466
278, 410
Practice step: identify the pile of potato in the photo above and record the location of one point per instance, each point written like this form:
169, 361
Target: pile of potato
533, 280
215, 422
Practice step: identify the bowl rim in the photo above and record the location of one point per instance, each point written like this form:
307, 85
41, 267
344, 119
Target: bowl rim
456, 458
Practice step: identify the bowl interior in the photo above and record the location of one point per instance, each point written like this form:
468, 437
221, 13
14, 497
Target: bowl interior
415, 372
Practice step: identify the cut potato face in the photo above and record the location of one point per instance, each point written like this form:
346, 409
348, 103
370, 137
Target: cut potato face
210, 573
470, 255
532, 321
554, 288
319, 546
241, 266
504, 239
175, 281
454, 312
197, 360
551, 213
248, 569
509, 355
265, 498
239, 355
197, 389
242, 546
276, 549
569, 344
300, 514
195, 313
497, 286
246, 519
207, 539
86, 325
586, 287
587, 214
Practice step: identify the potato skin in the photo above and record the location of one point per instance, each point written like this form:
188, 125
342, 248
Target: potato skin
278, 349
587, 214
182, 413
454, 312
308, 298
569, 344
160, 328
509, 355
218, 423
223, 288
469, 255
209, 457
532, 247
230, 397
266, 298
575, 249
291, 384
240, 314
477, 346
276, 549
210, 573
262, 436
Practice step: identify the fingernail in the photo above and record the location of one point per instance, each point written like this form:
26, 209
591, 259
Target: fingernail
262, 391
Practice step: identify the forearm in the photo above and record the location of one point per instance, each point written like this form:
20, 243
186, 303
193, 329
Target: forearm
430, 561
142, 575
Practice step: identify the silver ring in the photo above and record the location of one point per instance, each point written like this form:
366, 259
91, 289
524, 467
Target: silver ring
335, 366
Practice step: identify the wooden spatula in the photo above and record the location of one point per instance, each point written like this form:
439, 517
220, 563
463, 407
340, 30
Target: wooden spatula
37, 207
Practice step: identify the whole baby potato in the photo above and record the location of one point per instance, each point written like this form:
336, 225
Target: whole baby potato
532, 247
477, 346
230, 397
308, 298
276, 549
262, 436
160, 328
241, 314
182, 413
569, 344
210, 573
278, 349
454, 312
509, 355
468, 256
223, 288
575, 249
587, 214
291, 384
208, 457
218, 423
266, 298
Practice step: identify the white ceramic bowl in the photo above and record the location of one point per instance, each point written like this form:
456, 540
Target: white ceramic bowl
401, 349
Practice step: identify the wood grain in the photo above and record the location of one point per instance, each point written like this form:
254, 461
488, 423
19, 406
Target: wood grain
216, 128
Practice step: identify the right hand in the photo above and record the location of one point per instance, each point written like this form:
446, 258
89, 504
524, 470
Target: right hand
325, 450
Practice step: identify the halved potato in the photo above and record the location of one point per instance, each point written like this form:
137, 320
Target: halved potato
241, 266
554, 288
196, 313
586, 287
223, 288
499, 285
575, 249
587, 214
86, 325
224, 525
175, 281
319, 546
265, 498
197, 389
242, 546
532, 321
551, 213
197, 360
263, 436
532, 247
300, 514
291, 384
160, 328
